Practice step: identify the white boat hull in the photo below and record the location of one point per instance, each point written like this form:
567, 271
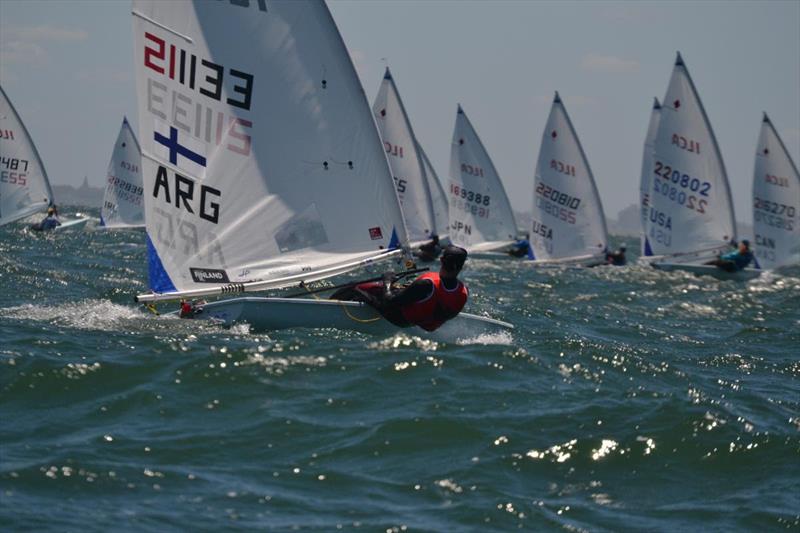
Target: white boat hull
269, 314
73, 224
709, 270
584, 261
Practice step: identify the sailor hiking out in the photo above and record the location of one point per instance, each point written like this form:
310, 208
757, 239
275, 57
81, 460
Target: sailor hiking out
736, 260
428, 302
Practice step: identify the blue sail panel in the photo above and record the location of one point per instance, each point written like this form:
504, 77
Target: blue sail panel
159, 279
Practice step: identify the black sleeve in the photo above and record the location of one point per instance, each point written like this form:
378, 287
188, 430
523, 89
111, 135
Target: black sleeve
417, 291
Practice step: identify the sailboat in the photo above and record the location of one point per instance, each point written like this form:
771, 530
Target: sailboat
261, 163
438, 197
406, 163
776, 201
646, 179
690, 213
123, 201
481, 219
24, 187
568, 224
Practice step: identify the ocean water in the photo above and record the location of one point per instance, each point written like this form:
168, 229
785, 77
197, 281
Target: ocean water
626, 399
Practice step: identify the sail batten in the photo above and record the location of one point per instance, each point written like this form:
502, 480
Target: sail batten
24, 189
568, 220
261, 159
480, 213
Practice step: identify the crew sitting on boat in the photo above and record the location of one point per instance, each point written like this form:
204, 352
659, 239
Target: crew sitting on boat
736, 260
430, 250
617, 258
428, 302
50, 221
190, 309
521, 247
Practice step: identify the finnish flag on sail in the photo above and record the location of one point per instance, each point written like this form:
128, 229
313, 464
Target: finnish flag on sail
181, 149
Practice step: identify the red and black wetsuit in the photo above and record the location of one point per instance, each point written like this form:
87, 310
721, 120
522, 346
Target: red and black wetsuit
428, 302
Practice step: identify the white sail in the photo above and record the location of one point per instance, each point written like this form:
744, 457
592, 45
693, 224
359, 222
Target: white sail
24, 187
480, 214
405, 161
438, 197
646, 179
568, 220
690, 209
776, 201
261, 161
123, 205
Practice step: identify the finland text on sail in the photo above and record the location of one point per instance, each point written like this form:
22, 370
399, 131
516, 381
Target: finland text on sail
123, 205
776, 201
690, 207
24, 187
481, 218
261, 162
405, 161
568, 221
646, 179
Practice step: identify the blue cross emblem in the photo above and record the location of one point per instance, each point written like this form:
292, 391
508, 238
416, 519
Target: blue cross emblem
175, 148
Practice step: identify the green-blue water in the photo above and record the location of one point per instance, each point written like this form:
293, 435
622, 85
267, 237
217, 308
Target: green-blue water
627, 399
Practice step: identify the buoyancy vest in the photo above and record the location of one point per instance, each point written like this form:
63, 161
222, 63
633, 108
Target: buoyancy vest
437, 308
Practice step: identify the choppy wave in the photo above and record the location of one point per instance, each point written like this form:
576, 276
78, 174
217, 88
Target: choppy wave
626, 398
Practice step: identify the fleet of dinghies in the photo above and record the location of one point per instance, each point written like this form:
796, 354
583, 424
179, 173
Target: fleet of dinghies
568, 224
268, 170
123, 201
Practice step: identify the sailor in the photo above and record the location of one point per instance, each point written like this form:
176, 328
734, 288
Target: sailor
430, 250
50, 221
736, 260
191, 309
617, 258
429, 301
521, 247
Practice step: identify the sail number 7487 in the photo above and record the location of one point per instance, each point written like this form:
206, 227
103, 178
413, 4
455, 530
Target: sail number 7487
13, 174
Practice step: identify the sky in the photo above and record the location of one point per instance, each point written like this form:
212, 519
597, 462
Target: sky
68, 68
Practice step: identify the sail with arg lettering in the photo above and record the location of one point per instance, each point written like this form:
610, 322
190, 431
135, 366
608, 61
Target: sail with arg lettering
776, 201
481, 219
690, 210
123, 205
24, 187
261, 163
406, 162
568, 223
